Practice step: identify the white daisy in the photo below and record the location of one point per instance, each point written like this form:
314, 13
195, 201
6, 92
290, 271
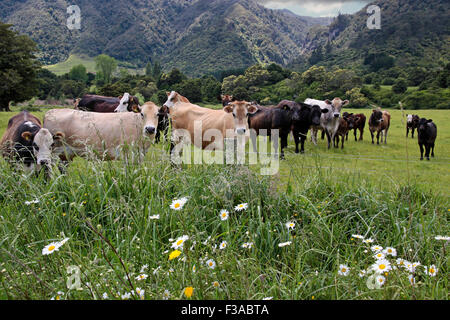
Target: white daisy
50, 248
379, 255
368, 240
431, 270
290, 225
381, 266
32, 202
362, 273
380, 280
358, 236
247, 245
390, 251
179, 242
284, 244
141, 293
223, 245
343, 270
224, 214
240, 207
155, 217
126, 296
411, 279
194, 269
376, 248
178, 204
141, 277
445, 238
105, 296
166, 295
211, 263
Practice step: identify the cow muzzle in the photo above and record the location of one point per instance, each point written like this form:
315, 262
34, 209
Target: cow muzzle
336, 115
241, 131
150, 130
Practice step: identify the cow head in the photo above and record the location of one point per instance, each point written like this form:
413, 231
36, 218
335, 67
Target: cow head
173, 98
350, 119
423, 125
240, 111
128, 103
377, 116
409, 118
315, 113
226, 99
336, 106
149, 114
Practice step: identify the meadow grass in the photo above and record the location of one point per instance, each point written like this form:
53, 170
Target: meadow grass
106, 210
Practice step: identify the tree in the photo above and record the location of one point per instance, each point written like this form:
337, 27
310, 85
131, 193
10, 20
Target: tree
316, 56
400, 86
156, 70
18, 67
148, 69
106, 65
78, 73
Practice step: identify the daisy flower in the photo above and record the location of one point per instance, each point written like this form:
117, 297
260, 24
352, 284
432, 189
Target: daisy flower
247, 245
442, 238
105, 296
179, 242
215, 284
290, 225
166, 295
224, 214
194, 269
376, 248
362, 273
178, 204
411, 279
211, 263
431, 270
155, 217
50, 248
284, 244
268, 298
368, 240
31, 202
379, 255
357, 236
381, 266
401, 262
240, 207
223, 245
126, 296
141, 277
144, 267
390, 251
380, 280
343, 270
141, 293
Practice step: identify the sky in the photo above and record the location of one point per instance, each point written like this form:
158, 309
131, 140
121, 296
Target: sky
317, 8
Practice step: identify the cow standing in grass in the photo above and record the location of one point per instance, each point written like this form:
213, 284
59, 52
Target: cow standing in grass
359, 123
379, 122
412, 123
346, 124
427, 132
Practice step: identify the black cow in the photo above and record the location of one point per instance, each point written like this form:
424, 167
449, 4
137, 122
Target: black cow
427, 132
163, 123
412, 122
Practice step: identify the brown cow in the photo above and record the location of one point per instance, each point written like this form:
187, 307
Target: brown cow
346, 124
226, 99
190, 121
379, 122
94, 103
359, 123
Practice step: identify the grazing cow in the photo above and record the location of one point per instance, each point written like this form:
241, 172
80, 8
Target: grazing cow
329, 121
226, 99
346, 123
379, 122
412, 122
427, 132
359, 123
26, 141
104, 133
229, 122
94, 103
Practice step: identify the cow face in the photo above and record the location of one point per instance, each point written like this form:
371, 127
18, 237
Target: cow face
409, 118
423, 125
336, 106
173, 98
128, 104
149, 114
240, 111
377, 116
316, 114
226, 99
350, 119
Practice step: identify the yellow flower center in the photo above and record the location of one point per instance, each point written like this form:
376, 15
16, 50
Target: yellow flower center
177, 205
431, 270
224, 215
382, 266
51, 248
179, 242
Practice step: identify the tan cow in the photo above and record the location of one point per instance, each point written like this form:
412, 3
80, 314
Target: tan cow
379, 122
204, 125
104, 133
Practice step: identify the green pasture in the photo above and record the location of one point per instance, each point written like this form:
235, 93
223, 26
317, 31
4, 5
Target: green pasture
108, 209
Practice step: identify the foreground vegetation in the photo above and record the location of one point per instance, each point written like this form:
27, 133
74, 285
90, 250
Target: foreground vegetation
120, 227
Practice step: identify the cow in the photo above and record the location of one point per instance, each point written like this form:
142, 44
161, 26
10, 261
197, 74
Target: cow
163, 123
346, 123
105, 133
226, 99
379, 122
359, 123
94, 103
329, 121
412, 122
427, 132
27, 142
185, 117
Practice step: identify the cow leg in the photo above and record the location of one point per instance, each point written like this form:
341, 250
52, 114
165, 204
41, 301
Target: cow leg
314, 136
342, 143
254, 138
328, 138
407, 132
385, 136
413, 129
371, 133
302, 141
432, 150
378, 137
284, 139
296, 140
427, 151
361, 134
421, 151
323, 134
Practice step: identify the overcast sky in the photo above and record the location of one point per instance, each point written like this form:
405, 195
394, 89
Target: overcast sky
317, 8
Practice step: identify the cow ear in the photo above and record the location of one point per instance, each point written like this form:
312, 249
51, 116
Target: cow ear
327, 101
136, 108
346, 102
286, 107
27, 135
252, 109
228, 108
324, 110
120, 98
430, 120
168, 93
59, 136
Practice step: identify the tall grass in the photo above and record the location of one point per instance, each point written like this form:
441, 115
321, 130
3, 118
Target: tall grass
105, 208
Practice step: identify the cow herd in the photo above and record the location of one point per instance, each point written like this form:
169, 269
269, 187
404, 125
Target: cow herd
106, 125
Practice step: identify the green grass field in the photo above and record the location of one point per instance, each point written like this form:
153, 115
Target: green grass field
108, 209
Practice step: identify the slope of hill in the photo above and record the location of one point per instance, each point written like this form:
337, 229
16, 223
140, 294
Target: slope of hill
197, 36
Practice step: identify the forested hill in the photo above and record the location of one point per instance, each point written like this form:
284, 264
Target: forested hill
413, 33
197, 36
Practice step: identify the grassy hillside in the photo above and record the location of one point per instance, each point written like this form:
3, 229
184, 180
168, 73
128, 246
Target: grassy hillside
107, 212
